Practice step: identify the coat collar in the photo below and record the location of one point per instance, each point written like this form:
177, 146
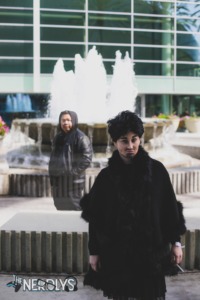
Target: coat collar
140, 166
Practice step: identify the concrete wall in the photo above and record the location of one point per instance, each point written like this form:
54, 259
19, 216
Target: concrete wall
58, 252
38, 185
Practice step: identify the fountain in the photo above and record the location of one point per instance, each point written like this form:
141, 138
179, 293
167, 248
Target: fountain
18, 103
87, 91
83, 91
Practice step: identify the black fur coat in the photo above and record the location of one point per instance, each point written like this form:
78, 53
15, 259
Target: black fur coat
133, 215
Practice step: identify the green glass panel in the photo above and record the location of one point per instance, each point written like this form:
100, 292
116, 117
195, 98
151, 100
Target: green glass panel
152, 53
109, 36
188, 54
187, 104
104, 20
154, 38
108, 52
16, 16
188, 9
52, 50
16, 49
109, 67
110, 5
158, 23
62, 34
188, 70
16, 66
184, 39
17, 3
153, 69
188, 24
153, 7
153, 105
47, 66
16, 32
62, 4
62, 18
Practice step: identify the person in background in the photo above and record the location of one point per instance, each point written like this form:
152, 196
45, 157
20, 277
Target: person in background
71, 155
135, 220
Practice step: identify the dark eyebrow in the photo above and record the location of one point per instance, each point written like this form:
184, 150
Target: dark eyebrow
124, 137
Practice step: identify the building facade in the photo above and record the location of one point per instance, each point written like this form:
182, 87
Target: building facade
162, 38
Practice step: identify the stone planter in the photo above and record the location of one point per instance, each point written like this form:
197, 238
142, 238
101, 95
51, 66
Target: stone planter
192, 124
174, 123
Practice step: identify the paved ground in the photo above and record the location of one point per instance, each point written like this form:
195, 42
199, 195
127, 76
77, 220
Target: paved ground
181, 287
39, 213
20, 213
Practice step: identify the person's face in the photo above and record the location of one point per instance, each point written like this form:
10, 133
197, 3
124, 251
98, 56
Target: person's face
66, 122
128, 145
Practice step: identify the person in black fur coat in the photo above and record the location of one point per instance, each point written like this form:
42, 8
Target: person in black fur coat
135, 221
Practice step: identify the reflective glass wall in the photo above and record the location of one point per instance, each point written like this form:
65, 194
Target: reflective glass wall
16, 36
162, 37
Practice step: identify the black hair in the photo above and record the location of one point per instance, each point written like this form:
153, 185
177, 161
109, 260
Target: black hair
123, 123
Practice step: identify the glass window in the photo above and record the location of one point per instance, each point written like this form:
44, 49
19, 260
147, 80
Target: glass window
153, 38
16, 32
16, 16
188, 70
104, 20
62, 34
187, 104
153, 7
158, 69
188, 54
62, 18
55, 50
108, 52
153, 23
60, 4
16, 66
110, 5
109, 36
16, 49
152, 53
188, 24
188, 40
189, 10
154, 105
17, 3
47, 66
109, 67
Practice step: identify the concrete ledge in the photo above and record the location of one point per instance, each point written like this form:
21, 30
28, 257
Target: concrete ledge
34, 251
186, 181
38, 185
25, 251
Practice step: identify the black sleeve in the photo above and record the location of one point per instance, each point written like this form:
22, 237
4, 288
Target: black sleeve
91, 205
93, 242
173, 219
85, 155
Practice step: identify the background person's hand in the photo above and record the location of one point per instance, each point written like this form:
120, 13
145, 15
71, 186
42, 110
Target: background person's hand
94, 261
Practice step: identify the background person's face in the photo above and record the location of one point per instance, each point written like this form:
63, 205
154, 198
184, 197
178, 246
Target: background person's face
128, 145
66, 122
